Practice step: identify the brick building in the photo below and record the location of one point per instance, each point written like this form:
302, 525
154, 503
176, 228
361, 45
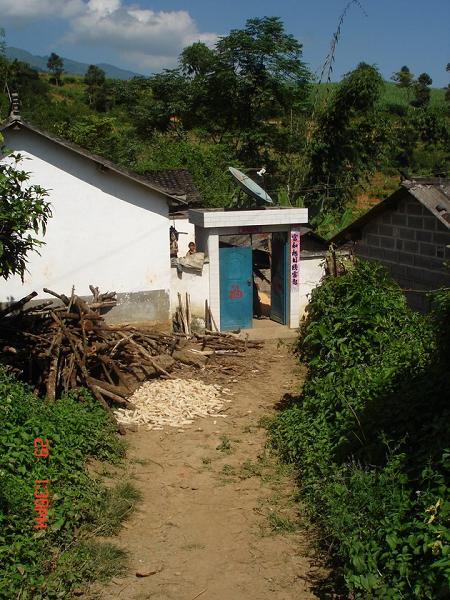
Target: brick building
409, 233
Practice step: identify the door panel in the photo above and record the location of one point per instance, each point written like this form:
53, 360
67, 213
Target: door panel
236, 291
278, 290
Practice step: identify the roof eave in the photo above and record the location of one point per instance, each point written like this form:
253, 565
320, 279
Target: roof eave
99, 160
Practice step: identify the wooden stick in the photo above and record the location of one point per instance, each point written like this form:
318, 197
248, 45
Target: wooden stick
17, 305
150, 359
61, 297
188, 314
211, 319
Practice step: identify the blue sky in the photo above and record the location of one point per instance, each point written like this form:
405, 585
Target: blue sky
147, 35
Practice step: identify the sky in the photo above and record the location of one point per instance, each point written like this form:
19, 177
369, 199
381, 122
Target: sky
147, 35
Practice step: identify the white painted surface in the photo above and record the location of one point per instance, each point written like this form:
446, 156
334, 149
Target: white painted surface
106, 230
186, 232
214, 276
311, 272
293, 290
195, 284
244, 218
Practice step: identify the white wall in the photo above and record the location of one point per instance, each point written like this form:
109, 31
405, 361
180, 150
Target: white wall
106, 230
311, 272
194, 283
187, 234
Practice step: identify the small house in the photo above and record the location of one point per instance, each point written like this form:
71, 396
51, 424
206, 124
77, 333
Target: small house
111, 228
110, 225
409, 233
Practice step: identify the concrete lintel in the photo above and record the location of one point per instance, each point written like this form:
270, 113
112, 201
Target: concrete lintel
208, 218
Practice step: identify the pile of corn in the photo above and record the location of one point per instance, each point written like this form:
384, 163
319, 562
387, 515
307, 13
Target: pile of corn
173, 403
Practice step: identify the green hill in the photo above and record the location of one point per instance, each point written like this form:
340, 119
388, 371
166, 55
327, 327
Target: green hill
72, 67
393, 95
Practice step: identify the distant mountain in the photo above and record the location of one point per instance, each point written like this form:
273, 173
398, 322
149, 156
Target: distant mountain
70, 66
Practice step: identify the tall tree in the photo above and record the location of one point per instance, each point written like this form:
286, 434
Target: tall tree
404, 79
95, 80
346, 141
23, 210
55, 65
422, 90
240, 91
447, 90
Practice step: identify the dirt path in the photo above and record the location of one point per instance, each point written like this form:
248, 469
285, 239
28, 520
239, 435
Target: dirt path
217, 516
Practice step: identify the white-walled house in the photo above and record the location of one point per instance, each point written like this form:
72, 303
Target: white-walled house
109, 227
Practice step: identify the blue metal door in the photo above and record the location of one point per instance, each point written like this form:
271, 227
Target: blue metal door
279, 287
236, 291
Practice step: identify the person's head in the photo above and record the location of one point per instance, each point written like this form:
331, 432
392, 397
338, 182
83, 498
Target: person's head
191, 247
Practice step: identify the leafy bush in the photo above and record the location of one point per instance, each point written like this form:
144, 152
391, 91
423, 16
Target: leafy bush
370, 433
34, 561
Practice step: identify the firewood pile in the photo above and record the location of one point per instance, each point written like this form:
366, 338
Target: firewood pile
62, 344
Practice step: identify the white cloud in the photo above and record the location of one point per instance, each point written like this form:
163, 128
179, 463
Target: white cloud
24, 10
144, 38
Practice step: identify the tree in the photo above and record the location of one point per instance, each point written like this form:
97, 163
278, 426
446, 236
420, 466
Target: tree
26, 81
241, 90
403, 78
95, 80
55, 65
447, 90
346, 141
257, 79
3, 61
23, 210
422, 90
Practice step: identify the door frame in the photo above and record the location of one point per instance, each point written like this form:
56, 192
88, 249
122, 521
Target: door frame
286, 287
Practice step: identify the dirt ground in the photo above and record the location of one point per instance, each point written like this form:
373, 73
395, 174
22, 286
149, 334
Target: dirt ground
218, 520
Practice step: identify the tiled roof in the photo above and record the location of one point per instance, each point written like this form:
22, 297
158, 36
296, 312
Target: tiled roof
432, 193
177, 182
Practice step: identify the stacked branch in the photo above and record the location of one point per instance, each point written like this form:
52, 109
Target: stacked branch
62, 344
59, 347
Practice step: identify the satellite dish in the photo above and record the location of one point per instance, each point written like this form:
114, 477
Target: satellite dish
250, 187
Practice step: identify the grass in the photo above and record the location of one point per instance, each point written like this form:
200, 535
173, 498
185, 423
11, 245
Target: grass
225, 445
281, 524
65, 555
86, 562
193, 546
251, 469
392, 94
228, 470
114, 507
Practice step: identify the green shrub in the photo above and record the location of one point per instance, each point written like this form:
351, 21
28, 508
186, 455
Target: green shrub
370, 433
77, 428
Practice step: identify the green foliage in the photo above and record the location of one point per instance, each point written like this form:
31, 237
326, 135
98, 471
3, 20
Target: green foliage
253, 76
207, 164
23, 209
348, 141
403, 78
38, 563
96, 91
370, 434
249, 101
422, 90
26, 80
55, 65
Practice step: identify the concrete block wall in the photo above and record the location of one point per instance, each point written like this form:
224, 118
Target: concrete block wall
412, 244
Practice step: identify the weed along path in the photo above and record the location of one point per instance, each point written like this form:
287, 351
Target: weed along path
217, 520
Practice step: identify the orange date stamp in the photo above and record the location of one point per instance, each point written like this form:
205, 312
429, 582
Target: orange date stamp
41, 450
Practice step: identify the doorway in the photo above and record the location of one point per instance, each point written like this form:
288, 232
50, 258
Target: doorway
253, 280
